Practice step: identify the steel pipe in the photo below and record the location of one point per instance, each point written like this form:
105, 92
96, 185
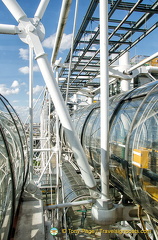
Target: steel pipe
15, 9
60, 29
9, 29
141, 63
70, 204
104, 97
41, 9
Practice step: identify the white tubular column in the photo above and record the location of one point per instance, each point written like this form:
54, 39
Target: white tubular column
41, 9
31, 110
123, 66
15, 9
66, 121
9, 29
128, 71
30, 35
103, 211
104, 99
61, 25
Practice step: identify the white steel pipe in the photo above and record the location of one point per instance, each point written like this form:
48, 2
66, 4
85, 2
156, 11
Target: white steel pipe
60, 29
15, 9
41, 9
34, 40
66, 121
104, 97
70, 204
152, 69
141, 63
42, 150
9, 29
44, 169
31, 110
58, 153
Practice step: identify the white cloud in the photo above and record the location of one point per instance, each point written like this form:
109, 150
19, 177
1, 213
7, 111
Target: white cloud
25, 70
36, 68
37, 89
22, 111
4, 90
15, 84
65, 43
91, 53
24, 53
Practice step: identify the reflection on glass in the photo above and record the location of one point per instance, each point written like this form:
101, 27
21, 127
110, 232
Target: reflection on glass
133, 143
13, 165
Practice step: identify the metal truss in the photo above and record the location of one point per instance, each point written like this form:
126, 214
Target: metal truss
128, 23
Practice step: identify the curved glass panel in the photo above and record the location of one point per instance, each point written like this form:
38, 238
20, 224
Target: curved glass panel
88, 140
113, 101
133, 143
73, 185
143, 90
143, 153
80, 118
20, 132
76, 116
118, 135
6, 191
95, 140
15, 148
13, 164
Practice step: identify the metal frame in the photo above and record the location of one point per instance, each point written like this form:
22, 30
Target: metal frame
120, 42
31, 34
86, 66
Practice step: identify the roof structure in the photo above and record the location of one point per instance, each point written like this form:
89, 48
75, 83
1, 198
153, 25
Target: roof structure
128, 22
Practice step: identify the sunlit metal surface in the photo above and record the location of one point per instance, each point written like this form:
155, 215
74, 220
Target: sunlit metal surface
129, 23
13, 165
133, 143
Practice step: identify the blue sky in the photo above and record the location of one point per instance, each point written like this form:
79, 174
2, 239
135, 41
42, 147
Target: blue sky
14, 53
14, 78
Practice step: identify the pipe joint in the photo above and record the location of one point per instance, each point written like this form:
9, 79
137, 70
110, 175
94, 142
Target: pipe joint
104, 212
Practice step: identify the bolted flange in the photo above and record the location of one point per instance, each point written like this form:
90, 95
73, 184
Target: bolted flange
31, 27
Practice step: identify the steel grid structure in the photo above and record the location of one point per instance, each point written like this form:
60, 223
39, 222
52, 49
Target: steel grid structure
128, 23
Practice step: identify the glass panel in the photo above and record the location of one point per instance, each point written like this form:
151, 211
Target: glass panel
142, 90
118, 135
95, 141
143, 150
88, 138
6, 191
80, 118
20, 131
12, 164
15, 148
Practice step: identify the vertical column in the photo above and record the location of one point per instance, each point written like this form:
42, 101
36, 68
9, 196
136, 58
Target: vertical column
31, 110
123, 66
104, 88
103, 211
